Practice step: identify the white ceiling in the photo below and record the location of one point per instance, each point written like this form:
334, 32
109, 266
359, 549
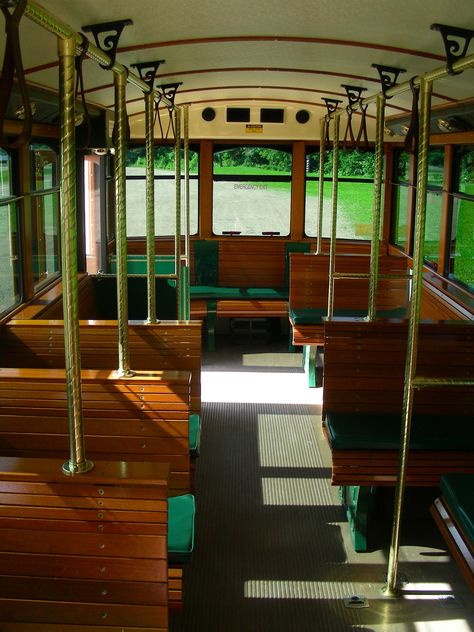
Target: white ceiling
278, 52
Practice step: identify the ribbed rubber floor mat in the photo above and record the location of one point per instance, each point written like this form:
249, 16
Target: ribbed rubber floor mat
268, 547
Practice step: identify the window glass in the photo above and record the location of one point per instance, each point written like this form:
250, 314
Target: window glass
5, 174
45, 210
402, 170
45, 213
435, 167
461, 255
432, 229
466, 171
165, 191
401, 217
354, 194
9, 257
252, 190
45, 167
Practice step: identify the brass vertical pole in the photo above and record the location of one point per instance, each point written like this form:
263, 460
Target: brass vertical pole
335, 181
376, 207
120, 82
186, 307
150, 206
322, 154
412, 343
177, 243
77, 462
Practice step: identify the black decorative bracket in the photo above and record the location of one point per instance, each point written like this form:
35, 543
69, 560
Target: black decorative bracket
353, 94
148, 76
169, 90
456, 42
331, 105
388, 76
108, 44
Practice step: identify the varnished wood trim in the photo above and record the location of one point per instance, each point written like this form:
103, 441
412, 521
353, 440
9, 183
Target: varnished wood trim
298, 190
205, 189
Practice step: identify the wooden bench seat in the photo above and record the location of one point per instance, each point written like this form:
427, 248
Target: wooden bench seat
234, 279
362, 407
453, 512
85, 551
168, 345
139, 418
308, 297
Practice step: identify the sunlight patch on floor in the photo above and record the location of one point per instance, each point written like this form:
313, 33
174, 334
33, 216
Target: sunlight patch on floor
258, 387
293, 360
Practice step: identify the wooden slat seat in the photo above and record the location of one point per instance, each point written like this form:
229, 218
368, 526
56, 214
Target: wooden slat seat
363, 381
139, 418
453, 512
240, 279
309, 280
84, 551
167, 345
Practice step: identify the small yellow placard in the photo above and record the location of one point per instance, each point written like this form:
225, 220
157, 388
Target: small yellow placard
253, 129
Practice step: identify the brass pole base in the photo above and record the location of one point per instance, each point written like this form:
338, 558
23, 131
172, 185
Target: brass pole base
71, 469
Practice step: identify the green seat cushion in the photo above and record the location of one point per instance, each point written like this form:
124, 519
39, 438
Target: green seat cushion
181, 513
359, 431
206, 262
457, 490
194, 434
316, 315
215, 292
267, 292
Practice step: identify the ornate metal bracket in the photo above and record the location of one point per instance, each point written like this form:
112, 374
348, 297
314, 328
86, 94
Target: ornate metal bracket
331, 105
388, 77
353, 94
148, 76
169, 92
107, 43
456, 49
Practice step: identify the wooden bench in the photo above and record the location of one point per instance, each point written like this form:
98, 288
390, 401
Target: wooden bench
168, 345
85, 551
364, 366
453, 512
308, 298
235, 278
139, 418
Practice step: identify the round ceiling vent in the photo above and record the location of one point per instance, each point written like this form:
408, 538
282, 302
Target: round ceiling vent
208, 114
302, 116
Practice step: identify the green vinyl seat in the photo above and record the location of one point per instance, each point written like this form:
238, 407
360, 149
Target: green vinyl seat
457, 490
181, 514
194, 434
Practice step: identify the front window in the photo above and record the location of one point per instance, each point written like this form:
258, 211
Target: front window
252, 191
45, 213
165, 191
9, 238
354, 194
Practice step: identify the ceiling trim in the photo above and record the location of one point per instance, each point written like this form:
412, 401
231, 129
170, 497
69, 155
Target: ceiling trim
261, 38
282, 38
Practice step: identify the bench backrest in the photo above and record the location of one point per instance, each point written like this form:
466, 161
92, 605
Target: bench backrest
163, 346
242, 262
79, 550
139, 418
364, 367
309, 281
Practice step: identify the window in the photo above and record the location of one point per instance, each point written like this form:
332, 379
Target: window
401, 213
461, 241
433, 207
252, 190
45, 213
355, 194
165, 191
9, 239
